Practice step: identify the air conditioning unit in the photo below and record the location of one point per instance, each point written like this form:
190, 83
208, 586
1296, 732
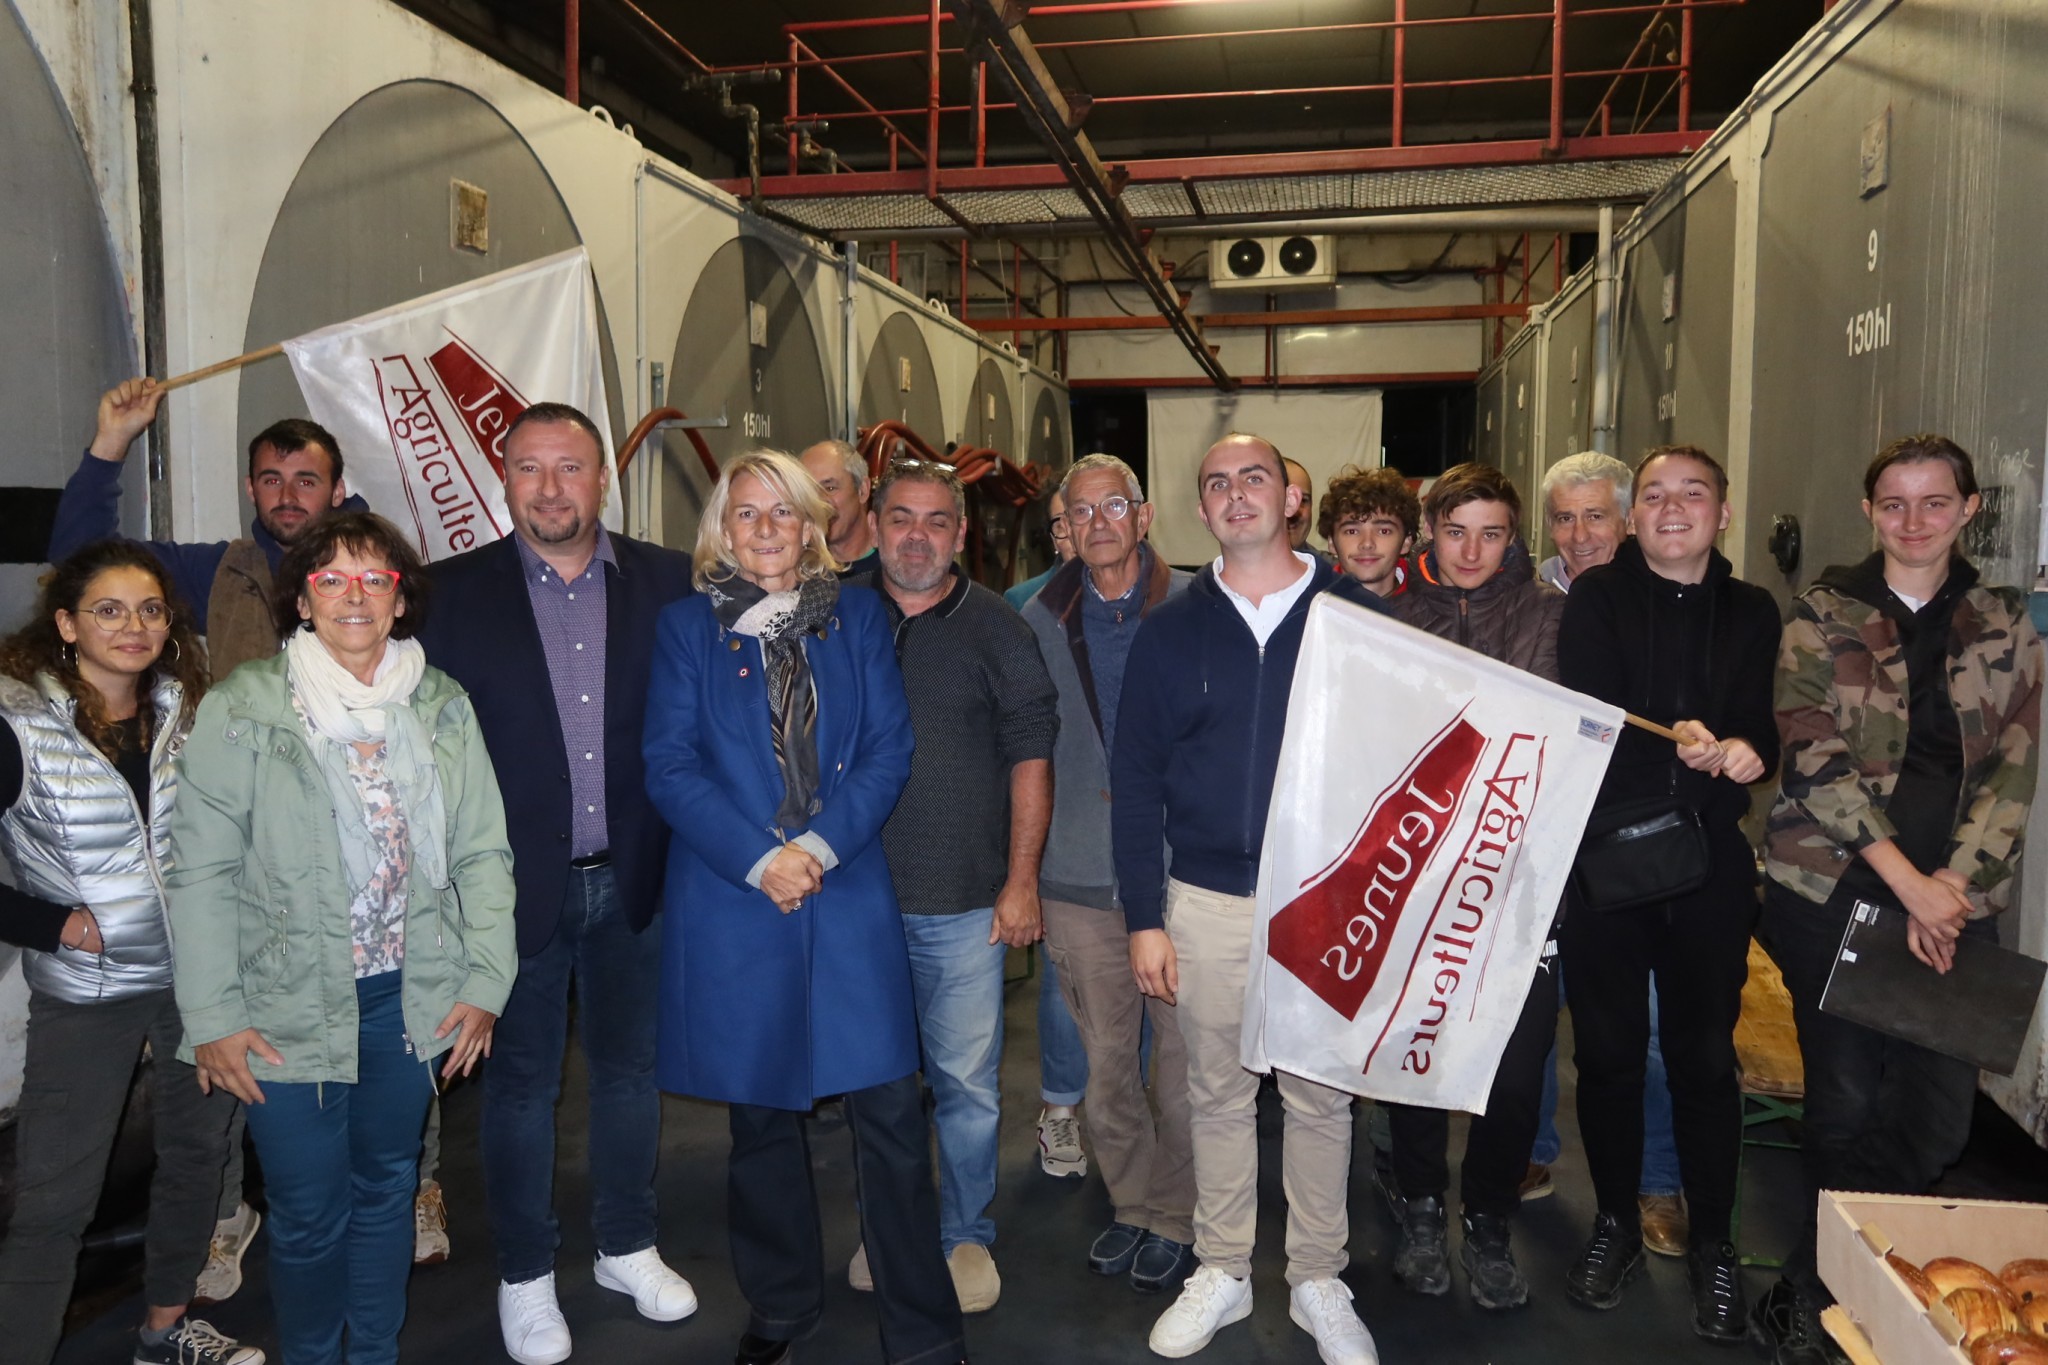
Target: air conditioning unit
1272, 263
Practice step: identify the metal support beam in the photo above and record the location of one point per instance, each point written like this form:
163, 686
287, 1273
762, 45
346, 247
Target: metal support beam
1047, 112
1316, 317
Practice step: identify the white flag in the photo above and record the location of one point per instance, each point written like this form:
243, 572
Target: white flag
420, 395
1426, 812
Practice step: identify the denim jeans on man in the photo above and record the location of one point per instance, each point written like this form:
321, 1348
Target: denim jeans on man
1062, 1060
617, 974
340, 1165
956, 975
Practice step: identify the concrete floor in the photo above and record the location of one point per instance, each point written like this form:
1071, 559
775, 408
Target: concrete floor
1052, 1309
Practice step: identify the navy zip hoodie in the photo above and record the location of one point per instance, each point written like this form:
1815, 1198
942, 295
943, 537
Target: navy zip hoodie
1198, 740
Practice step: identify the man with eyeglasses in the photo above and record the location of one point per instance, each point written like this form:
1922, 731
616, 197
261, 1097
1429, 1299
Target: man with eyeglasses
1197, 747
294, 479
965, 838
1084, 620
843, 475
551, 632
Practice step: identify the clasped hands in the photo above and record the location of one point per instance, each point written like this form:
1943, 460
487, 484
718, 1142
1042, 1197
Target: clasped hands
1733, 759
791, 875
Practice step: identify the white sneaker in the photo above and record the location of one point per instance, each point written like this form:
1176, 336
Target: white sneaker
658, 1292
1209, 1300
429, 1225
1059, 1144
857, 1272
1322, 1308
222, 1275
535, 1332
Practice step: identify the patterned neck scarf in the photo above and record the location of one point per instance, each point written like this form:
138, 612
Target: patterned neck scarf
779, 620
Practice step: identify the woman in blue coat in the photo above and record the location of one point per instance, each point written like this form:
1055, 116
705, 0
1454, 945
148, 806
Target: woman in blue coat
778, 740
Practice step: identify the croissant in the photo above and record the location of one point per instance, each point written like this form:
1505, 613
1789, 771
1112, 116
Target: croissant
2008, 1348
1980, 1312
1915, 1278
1953, 1272
2027, 1279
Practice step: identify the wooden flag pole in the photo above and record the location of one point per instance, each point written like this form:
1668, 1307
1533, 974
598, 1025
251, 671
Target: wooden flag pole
1654, 728
220, 367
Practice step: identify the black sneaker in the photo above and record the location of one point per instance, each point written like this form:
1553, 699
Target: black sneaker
1606, 1266
1719, 1309
1422, 1265
1784, 1328
194, 1342
1161, 1263
1490, 1269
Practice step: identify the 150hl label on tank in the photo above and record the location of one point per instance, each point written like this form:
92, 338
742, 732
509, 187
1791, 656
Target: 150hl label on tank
1871, 329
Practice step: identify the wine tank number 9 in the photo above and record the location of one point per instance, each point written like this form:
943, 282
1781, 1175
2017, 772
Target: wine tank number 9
1870, 330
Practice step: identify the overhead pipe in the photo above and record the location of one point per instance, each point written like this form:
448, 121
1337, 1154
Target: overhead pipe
572, 51
1603, 336
150, 204
1307, 317
1386, 224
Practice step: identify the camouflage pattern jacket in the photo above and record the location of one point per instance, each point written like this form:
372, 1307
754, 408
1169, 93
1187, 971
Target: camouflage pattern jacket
1842, 713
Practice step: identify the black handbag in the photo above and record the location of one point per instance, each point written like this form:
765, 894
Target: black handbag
1641, 852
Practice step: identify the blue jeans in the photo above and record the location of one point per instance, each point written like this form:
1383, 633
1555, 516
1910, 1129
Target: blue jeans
617, 974
956, 975
340, 1165
1660, 1148
1062, 1061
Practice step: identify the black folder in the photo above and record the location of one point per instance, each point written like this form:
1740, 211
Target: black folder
1977, 1013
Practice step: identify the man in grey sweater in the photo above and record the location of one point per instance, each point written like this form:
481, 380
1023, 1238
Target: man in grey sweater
1084, 619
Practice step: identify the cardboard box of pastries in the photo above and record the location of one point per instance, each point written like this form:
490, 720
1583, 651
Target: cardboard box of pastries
1876, 1252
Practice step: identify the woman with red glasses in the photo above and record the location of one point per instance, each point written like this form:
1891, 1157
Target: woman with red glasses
341, 895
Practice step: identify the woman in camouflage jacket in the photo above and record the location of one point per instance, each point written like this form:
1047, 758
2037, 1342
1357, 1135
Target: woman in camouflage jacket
1908, 699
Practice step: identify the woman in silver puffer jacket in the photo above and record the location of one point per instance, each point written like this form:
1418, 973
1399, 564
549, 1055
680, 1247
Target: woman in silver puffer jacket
97, 692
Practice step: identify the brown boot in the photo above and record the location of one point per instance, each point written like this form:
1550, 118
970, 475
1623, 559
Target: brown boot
1664, 1223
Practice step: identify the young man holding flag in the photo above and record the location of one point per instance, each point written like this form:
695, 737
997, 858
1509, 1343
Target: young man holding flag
1197, 743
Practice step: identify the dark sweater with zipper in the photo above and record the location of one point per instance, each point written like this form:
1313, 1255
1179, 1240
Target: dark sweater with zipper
1198, 740
1670, 651
1511, 617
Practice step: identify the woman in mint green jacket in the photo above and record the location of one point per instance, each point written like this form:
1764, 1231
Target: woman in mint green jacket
341, 912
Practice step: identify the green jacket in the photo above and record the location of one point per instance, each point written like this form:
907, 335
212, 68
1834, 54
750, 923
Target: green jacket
259, 900
1843, 717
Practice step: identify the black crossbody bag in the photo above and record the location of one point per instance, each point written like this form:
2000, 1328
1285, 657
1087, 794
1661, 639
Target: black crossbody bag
1642, 852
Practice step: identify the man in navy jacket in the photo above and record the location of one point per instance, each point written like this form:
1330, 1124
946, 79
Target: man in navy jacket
1197, 742
550, 631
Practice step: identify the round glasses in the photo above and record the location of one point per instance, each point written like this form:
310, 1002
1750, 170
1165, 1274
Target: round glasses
333, 583
1116, 509
112, 616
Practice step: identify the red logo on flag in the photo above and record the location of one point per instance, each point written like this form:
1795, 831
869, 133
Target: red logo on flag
1335, 934
486, 402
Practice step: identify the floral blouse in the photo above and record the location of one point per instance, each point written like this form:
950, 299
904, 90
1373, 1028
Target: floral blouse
377, 914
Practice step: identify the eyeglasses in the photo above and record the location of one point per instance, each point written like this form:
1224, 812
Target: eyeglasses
1116, 509
112, 616
1059, 527
333, 583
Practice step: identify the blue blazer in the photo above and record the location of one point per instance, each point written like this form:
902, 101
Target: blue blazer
758, 1006
480, 631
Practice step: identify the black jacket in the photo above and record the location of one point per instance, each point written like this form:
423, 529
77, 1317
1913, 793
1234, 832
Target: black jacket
481, 632
1670, 651
1198, 740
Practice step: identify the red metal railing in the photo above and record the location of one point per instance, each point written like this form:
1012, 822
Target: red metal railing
803, 55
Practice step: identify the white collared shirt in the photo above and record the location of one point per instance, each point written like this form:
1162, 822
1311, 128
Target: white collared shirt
1265, 616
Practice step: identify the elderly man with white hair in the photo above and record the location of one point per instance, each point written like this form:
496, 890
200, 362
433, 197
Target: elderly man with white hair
1585, 503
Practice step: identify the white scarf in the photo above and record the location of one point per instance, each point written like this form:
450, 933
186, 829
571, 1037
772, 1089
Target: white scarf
342, 709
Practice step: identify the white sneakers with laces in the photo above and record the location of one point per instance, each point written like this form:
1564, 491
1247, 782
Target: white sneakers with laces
1322, 1308
535, 1331
658, 1292
1059, 1143
222, 1274
1210, 1299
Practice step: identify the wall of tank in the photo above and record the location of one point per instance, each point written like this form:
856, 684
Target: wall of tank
1852, 258
310, 151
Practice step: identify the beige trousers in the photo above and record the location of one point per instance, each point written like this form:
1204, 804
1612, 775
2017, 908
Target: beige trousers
1212, 939
1145, 1162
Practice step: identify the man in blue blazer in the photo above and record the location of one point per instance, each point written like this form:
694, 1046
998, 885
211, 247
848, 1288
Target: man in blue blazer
550, 630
